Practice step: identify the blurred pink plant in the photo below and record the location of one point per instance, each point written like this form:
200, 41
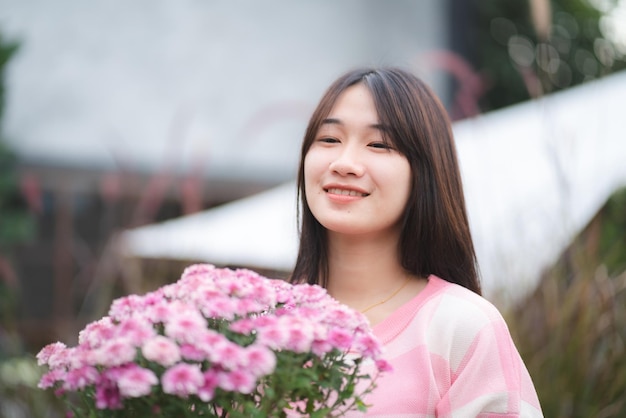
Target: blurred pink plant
219, 342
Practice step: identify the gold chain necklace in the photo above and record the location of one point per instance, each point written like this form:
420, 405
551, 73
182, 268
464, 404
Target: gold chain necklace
388, 298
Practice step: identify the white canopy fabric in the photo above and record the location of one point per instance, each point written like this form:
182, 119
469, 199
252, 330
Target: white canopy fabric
534, 174
260, 230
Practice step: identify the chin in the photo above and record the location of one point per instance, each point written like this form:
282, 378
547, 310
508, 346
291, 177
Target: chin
346, 228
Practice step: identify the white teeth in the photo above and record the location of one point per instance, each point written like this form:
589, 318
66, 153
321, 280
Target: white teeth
346, 192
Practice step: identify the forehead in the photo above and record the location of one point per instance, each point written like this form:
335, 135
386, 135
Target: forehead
355, 104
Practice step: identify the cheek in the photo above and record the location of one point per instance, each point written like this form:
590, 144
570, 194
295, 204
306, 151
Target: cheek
404, 182
310, 176
312, 167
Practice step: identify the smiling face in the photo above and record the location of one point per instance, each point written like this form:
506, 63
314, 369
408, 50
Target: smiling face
356, 182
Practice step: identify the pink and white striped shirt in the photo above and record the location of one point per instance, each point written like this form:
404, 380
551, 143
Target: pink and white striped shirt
453, 357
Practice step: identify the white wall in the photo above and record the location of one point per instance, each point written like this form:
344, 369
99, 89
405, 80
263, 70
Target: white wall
226, 84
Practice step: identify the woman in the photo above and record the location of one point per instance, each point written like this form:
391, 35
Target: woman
385, 231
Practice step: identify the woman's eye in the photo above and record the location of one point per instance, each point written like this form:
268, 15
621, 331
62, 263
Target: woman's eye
380, 145
328, 140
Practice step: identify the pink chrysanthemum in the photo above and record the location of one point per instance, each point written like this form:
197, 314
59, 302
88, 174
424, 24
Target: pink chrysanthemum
134, 381
263, 293
61, 358
243, 326
214, 328
308, 293
107, 394
299, 334
153, 298
159, 312
43, 357
211, 381
136, 330
241, 381
115, 353
383, 365
244, 307
182, 380
197, 270
273, 336
49, 379
96, 333
185, 325
229, 355
209, 339
261, 360
321, 347
344, 317
161, 350
126, 306
192, 352
340, 338
221, 307
368, 346
80, 378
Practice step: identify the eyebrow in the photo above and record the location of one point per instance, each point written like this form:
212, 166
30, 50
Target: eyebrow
378, 126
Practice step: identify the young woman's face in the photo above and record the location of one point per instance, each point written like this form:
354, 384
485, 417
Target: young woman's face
355, 182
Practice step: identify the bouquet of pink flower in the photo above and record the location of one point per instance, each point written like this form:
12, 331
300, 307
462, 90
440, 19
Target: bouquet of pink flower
219, 343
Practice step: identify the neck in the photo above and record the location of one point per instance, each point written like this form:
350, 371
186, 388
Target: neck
361, 270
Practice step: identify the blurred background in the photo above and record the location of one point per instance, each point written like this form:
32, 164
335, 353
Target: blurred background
139, 137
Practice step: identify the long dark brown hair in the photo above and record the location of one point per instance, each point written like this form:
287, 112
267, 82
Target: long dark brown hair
435, 236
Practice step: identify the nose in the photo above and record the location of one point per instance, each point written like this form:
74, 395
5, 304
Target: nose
347, 162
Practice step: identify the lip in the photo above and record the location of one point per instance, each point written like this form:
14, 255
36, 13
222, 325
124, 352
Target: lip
344, 193
346, 187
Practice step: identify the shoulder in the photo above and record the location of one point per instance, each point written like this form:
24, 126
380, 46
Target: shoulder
443, 317
459, 321
456, 303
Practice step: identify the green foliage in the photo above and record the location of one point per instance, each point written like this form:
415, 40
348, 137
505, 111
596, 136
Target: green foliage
520, 63
323, 387
572, 331
612, 246
19, 395
16, 224
7, 49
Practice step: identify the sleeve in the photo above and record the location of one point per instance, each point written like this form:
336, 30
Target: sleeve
488, 378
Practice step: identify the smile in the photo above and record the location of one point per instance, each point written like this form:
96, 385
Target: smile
345, 192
